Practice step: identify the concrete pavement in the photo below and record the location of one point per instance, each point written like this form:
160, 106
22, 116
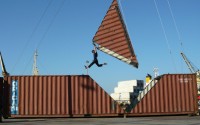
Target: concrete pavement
157, 120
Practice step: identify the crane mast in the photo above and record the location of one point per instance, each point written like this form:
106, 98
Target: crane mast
35, 69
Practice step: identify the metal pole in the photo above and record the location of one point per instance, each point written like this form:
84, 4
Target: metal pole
87, 63
124, 115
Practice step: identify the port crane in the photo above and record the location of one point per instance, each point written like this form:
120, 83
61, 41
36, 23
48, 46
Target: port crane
190, 66
5, 73
192, 69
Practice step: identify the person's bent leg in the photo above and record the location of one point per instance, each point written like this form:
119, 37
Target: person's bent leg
91, 64
97, 63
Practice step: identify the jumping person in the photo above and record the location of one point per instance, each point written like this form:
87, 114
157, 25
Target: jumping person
95, 60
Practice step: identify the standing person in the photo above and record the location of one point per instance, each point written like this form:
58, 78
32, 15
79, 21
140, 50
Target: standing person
95, 60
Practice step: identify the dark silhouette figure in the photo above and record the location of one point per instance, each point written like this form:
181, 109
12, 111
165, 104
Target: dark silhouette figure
95, 60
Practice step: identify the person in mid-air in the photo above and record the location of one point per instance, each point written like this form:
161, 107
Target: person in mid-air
95, 60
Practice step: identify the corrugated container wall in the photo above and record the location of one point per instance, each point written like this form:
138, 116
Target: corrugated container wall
1, 97
79, 96
172, 94
113, 37
1, 92
59, 96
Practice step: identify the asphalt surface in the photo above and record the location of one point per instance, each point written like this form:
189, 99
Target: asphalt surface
158, 120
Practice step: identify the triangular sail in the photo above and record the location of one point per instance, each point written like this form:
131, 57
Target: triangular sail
112, 36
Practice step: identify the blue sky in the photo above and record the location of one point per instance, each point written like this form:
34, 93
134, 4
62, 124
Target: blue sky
64, 34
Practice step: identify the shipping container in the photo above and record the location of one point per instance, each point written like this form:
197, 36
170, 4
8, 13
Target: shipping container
171, 94
129, 83
1, 97
81, 96
123, 89
57, 96
1, 90
113, 38
121, 96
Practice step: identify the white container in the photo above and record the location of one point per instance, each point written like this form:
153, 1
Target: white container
121, 96
127, 83
123, 89
114, 96
131, 83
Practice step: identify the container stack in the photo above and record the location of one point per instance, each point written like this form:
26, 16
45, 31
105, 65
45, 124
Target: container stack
127, 90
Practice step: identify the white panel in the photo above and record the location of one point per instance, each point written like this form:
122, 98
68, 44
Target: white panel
121, 96
127, 83
115, 96
123, 89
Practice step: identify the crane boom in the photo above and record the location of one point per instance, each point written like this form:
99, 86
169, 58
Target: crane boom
191, 68
4, 72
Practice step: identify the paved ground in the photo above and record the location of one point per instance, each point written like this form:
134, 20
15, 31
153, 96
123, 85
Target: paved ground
164, 120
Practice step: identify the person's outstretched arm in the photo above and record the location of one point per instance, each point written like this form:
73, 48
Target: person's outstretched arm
95, 49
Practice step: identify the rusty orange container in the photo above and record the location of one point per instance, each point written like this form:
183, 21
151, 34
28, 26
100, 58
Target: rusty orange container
81, 96
58, 96
172, 94
113, 38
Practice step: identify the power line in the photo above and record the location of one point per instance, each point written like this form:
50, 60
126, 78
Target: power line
43, 67
48, 28
177, 30
166, 39
31, 36
52, 21
175, 24
27, 64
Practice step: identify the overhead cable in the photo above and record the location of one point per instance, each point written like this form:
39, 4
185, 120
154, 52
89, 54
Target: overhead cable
175, 24
31, 36
166, 39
